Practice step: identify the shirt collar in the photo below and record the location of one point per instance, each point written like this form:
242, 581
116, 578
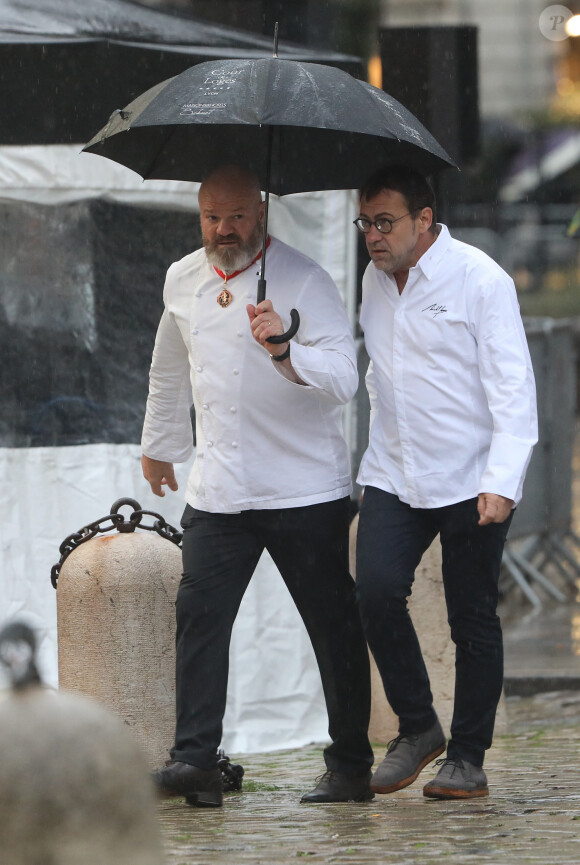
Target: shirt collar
430, 260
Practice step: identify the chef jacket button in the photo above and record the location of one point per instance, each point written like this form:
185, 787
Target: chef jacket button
236, 371
210, 444
199, 368
234, 444
233, 409
198, 293
195, 331
205, 405
240, 333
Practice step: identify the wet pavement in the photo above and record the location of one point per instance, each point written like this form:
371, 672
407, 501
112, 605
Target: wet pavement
531, 816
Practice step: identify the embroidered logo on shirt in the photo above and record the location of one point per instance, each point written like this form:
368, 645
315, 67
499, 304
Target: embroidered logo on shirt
436, 309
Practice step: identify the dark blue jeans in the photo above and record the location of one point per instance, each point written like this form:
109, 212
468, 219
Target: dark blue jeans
309, 545
392, 537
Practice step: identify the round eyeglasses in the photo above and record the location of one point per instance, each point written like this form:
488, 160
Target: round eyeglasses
382, 224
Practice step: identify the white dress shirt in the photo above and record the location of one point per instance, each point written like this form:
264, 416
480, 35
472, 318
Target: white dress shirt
263, 441
453, 401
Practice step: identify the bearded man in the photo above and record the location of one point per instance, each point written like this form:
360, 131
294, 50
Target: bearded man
271, 472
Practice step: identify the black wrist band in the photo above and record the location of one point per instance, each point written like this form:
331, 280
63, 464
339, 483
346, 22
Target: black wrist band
283, 356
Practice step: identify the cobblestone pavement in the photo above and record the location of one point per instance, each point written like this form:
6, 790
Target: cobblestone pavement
531, 816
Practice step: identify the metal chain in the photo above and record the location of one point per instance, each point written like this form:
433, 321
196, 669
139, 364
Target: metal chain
114, 520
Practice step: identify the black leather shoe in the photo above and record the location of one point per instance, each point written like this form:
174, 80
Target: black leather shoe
201, 787
336, 787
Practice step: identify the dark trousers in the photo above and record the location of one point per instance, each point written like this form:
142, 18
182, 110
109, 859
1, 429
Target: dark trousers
392, 538
309, 545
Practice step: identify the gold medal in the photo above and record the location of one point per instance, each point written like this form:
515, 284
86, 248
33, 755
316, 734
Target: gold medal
225, 297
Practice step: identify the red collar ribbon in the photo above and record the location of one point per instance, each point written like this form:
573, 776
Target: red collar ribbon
226, 276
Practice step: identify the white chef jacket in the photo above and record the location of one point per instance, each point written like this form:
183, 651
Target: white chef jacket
263, 441
453, 405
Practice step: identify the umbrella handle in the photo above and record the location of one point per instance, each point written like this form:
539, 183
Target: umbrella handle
294, 316
284, 337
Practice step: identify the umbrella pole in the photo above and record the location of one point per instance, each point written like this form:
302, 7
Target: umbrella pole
294, 316
262, 279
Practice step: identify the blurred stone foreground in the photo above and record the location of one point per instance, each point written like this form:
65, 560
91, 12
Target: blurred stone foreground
74, 786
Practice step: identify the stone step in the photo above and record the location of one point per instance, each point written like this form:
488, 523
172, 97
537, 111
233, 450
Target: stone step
527, 686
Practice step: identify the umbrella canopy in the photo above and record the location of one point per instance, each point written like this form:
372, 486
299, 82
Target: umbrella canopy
298, 126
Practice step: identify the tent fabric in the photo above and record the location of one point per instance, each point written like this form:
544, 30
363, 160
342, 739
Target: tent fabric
131, 22
317, 223
116, 20
275, 698
66, 66
77, 327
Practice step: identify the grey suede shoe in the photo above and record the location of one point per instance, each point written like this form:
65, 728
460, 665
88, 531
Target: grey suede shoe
406, 757
457, 779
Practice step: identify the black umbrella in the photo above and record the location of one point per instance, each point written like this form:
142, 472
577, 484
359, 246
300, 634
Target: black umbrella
298, 126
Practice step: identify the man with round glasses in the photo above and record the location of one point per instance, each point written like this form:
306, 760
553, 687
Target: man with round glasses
453, 424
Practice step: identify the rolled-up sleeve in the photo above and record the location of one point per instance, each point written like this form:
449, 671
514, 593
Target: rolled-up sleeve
167, 432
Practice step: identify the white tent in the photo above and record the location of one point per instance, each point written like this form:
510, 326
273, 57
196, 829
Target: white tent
275, 698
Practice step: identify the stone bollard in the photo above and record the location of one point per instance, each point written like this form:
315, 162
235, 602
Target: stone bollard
116, 631
429, 612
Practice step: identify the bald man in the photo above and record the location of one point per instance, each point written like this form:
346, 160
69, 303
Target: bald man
271, 472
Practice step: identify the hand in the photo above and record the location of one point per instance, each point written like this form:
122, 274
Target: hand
266, 322
159, 474
493, 508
